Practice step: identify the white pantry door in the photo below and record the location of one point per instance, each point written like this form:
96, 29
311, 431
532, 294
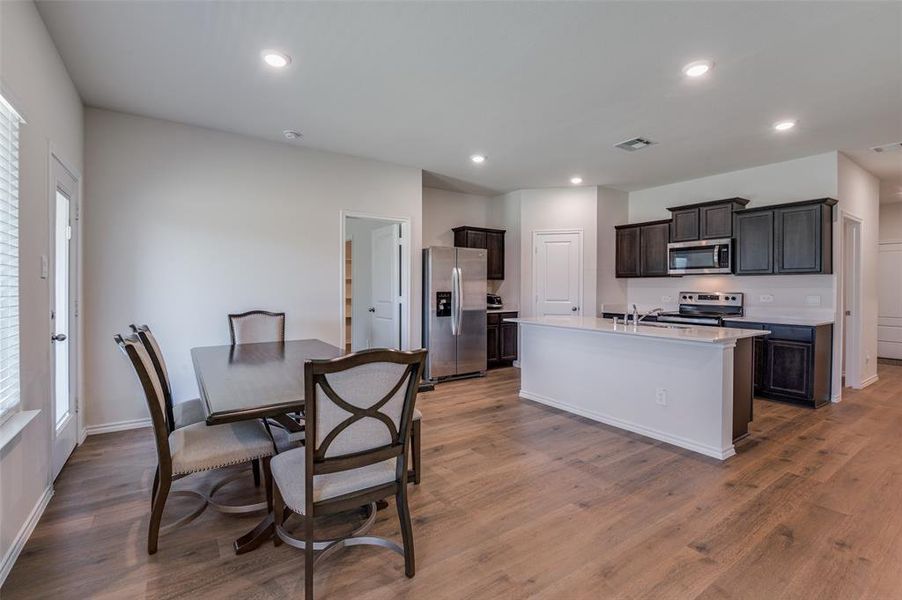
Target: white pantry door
386, 297
558, 273
889, 301
63, 211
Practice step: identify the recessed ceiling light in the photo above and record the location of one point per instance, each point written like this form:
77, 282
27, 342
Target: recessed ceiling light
478, 158
292, 134
698, 68
784, 125
576, 180
276, 59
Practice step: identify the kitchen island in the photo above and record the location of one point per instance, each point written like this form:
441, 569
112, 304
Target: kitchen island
688, 386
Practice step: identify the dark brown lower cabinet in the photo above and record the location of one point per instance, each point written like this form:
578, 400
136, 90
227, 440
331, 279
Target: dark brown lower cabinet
501, 339
794, 363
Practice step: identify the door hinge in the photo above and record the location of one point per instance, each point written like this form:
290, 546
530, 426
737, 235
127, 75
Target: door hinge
76, 308
77, 211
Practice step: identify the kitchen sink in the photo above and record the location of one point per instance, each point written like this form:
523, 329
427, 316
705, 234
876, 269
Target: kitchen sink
666, 325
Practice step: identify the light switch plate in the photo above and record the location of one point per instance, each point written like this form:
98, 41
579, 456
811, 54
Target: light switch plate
45, 267
765, 298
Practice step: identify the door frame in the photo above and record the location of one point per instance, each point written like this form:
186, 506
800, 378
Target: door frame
848, 340
404, 222
535, 266
76, 330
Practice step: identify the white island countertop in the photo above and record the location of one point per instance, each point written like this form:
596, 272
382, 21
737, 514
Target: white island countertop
681, 333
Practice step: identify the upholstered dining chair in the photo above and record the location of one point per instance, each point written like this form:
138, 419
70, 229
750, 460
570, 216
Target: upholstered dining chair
359, 418
193, 448
178, 414
257, 326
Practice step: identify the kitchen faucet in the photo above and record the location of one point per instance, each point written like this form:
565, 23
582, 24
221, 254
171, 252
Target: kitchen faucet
637, 318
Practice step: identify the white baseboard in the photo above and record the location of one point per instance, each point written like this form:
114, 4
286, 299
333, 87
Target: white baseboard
82, 435
6, 565
516, 364
836, 397
870, 380
117, 426
641, 430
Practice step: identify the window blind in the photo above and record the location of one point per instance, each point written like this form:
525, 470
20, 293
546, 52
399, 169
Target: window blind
9, 259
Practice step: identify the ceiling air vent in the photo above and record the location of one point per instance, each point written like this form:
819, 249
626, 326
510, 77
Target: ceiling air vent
894, 147
635, 144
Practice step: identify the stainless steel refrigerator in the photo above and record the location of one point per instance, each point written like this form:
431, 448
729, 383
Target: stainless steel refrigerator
454, 317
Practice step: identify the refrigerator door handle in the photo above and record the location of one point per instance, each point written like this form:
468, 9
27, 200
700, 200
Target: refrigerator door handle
460, 301
455, 300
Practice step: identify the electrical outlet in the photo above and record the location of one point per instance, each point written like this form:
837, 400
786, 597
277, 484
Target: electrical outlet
45, 266
813, 300
765, 298
666, 299
661, 396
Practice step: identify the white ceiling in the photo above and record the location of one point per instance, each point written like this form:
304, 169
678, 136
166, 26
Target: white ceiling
544, 89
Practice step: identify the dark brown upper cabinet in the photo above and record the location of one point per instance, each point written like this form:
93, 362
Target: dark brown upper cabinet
641, 249
653, 240
491, 240
684, 227
704, 220
794, 238
803, 238
754, 245
627, 252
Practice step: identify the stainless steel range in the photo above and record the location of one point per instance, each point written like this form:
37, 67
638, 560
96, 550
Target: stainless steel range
705, 308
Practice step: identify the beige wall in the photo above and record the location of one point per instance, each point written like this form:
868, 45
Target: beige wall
558, 208
891, 222
189, 224
801, 179
443, 210
859, 197
35, 81
613, 209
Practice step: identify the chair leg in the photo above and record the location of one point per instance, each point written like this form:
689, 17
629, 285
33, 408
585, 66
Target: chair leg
278, 513
308, 557
156, 484
156, 514
406, 530
267, 478
415, 453
255, 467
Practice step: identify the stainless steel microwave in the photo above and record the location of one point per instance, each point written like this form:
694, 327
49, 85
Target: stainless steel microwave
700, 257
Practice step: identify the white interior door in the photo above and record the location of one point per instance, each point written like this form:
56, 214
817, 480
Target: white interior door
63, 279
889, 300
386, 287
558, 273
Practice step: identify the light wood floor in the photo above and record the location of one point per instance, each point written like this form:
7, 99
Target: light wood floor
519, 500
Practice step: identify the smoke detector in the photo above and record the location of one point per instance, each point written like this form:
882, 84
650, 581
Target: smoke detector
635, 144
291, 134
894, 147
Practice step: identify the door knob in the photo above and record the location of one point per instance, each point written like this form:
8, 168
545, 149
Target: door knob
575, 308
58, 337
371, 309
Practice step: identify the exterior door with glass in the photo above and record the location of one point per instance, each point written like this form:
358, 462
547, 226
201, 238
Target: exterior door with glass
63, 313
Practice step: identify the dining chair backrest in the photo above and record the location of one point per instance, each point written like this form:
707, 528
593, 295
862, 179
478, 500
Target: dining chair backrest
257, 326
159, 364
152, 385
360, 409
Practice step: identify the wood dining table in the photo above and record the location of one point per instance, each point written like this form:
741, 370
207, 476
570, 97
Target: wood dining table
256, 381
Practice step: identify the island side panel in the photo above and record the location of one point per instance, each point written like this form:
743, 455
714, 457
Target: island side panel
614, 379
